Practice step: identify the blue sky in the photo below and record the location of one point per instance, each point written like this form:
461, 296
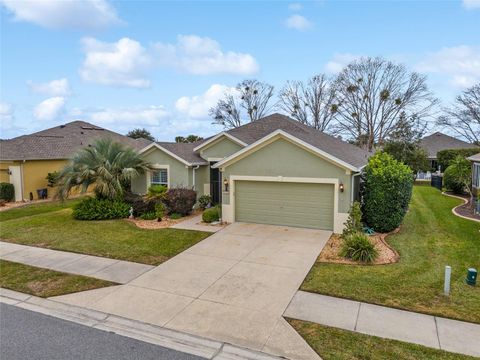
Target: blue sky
161, 65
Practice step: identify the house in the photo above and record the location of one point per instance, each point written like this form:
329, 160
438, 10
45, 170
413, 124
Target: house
274, 171
438, 141
475, 159
25, 161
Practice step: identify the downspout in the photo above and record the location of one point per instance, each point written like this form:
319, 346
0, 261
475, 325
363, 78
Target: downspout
353, 185
193, 175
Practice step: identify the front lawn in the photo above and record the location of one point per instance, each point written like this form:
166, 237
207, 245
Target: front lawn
331, 343
430, 238
117, 239
36, 208
43, 282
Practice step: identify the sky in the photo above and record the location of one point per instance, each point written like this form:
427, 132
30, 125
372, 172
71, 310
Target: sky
161, 65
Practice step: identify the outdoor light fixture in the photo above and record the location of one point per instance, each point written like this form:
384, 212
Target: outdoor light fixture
341, 187
225, 183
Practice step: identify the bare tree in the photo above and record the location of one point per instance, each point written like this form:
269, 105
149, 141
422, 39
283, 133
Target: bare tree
372, 93
251, 101
313, 104
464, 116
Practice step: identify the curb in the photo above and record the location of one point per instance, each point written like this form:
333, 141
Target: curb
152, 334
464, 202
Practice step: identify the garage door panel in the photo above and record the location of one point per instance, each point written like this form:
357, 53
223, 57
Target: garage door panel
291, 204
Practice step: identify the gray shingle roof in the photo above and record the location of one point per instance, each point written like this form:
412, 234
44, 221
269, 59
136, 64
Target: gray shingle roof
340, 149
438, 141
475, 158
185, 151
61, 142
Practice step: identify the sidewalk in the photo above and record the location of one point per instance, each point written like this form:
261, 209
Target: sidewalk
98, 267
196, 223
432, 331
171, 339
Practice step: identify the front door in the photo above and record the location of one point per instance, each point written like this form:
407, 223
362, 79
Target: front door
16, 180
215, 185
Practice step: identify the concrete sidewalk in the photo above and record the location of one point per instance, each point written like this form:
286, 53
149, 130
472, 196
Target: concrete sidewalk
195, 223
432, 331
98, 267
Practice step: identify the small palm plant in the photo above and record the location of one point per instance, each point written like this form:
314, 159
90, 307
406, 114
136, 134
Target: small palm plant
107, 166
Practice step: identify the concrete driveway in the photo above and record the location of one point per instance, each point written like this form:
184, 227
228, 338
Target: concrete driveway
233, 286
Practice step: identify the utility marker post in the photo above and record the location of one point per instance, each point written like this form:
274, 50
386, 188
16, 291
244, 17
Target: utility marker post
448, 274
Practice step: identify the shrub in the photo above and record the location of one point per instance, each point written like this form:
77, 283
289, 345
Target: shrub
151, 215
7, 191
52, 178
386, 192
180, 200
100, 209
450, 182
354, 221
211, 215
458, 176
204, 201
445, 157
175, 216
358, 247
157, 191
139, 204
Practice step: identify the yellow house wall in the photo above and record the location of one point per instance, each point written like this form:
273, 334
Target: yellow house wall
35, 173
4, 176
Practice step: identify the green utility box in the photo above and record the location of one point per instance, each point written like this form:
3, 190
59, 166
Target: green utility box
471, 276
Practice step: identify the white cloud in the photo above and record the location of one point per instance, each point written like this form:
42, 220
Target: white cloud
122, 63
339, 61
6, 111
199, 105
471, 4
298, 22
460, 63
295, 7
135, 116
63, 14
203, 56
58, 87
50, 108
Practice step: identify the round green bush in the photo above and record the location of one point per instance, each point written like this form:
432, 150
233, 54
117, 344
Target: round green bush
358, 247
100, 209
7, 191
386, 192
450, 182
211, 215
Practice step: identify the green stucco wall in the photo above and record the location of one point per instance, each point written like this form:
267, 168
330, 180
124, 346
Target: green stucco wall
220, 149
282, 158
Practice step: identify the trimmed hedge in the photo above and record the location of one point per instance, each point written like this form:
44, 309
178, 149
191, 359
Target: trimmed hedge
445, 157
7, 191
386, 192
180, 200
211, 215
100, 209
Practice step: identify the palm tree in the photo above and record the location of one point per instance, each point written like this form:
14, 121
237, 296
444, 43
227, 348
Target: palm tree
106, 165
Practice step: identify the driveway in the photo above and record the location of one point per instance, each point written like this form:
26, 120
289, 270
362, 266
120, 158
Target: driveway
233, 286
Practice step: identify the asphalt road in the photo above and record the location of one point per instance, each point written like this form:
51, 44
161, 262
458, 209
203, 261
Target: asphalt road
29, 335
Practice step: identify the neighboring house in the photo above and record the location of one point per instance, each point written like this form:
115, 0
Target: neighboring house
26, 160
438, 141
475, 159
274, 171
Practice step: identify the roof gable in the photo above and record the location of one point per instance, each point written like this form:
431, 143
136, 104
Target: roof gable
438, 141
214, 139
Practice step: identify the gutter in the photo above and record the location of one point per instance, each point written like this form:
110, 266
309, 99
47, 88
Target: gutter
193, 174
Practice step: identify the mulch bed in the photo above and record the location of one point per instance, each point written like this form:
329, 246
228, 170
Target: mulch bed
165, 223
465, 209
386, 255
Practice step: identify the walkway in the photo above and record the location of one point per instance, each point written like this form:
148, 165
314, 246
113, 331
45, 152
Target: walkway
98, 267
432, 331
195, 223
232, 287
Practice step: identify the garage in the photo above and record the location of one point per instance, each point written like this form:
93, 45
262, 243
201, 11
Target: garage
309, 205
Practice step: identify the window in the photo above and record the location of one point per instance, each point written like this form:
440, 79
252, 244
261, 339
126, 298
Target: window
476, 175
159, 177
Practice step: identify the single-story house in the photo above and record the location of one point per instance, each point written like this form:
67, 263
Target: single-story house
274, 171
475, 159
25, 161
438, 141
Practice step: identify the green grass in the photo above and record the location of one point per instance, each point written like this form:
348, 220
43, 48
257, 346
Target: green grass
336, 344
117, 239
35, 209
430, 238
44, 283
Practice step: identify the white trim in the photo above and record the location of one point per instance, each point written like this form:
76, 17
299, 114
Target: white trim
216, 137
214, 159
158, 167
282, 134
230, 208
183, 161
